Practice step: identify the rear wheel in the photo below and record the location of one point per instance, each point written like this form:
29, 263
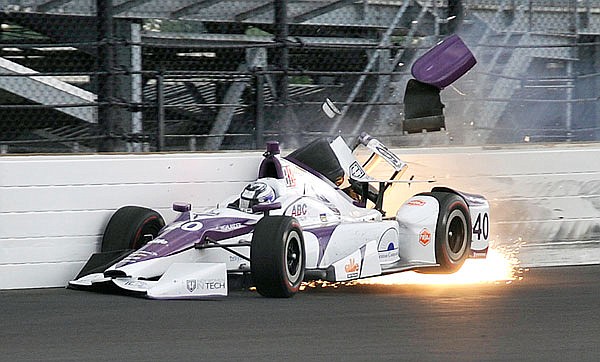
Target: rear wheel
453, 232
129, 227
277, 256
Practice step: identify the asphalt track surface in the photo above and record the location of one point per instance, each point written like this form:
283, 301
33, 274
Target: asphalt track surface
553, 314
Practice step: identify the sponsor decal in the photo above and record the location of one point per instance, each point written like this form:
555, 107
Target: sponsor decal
352, 268
387, 256
191, 285
479, 253
212, 284
192, 226
290, 178
159, 241
389, 156
416, 202
229, 227
205, 284
137, 255
136, 284
424, 236
329, 205
299, 210
356, 171
323, 217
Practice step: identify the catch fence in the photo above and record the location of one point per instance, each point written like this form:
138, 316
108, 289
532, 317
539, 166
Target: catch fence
141, 76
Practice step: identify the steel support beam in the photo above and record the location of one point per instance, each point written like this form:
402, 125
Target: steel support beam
320, 11
106, 86
193, 8
51, 5
254, 12
47, 90
128, 5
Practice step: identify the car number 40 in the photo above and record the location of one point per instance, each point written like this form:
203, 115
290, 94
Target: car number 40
481, 228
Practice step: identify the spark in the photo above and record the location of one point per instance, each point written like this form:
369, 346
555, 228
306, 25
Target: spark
496, 268
500, 266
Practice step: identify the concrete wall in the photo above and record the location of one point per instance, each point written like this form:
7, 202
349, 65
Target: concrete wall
544, 200
53, 209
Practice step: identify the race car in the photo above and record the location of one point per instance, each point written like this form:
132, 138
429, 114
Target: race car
315, 214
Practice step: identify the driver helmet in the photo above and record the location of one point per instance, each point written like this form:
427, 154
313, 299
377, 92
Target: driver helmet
256, 193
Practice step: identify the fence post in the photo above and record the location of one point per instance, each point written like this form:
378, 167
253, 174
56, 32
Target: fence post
160, 106
259, 109
106, 121
282, 63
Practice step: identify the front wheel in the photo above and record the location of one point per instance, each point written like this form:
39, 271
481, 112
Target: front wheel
130, 227
277, 256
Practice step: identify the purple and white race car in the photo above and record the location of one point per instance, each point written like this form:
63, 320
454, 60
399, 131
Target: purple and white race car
314, 214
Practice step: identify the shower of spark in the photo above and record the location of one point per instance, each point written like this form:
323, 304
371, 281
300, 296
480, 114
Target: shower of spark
496, 268
500, 266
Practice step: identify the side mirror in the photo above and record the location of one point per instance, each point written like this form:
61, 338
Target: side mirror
182, 207
265, 208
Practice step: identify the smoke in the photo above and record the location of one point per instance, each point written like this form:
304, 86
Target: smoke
520, 91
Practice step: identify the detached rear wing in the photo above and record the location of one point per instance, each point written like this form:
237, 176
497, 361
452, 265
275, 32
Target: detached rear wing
439, 67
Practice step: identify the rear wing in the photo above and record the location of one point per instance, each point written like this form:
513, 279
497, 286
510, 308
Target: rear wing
439, 67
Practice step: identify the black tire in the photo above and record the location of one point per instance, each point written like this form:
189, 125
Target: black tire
277, 256
453, 233
128, 226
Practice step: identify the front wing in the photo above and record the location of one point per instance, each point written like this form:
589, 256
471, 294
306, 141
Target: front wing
181, 281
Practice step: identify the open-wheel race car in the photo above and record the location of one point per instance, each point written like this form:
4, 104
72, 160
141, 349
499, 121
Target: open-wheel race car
315, 214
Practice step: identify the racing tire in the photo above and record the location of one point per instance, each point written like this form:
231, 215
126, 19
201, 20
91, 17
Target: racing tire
277, 256
128, 227
453, 233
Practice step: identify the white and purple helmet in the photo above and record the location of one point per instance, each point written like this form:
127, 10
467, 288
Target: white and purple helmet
256, 193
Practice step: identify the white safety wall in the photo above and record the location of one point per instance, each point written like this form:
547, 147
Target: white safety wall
545, 200
53, 209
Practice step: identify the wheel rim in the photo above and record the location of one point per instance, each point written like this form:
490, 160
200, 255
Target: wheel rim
293, 257
456, 235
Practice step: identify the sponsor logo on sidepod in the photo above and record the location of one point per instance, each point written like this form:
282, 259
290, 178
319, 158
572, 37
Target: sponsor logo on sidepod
352, 268
424, 236
299, 210
416, 202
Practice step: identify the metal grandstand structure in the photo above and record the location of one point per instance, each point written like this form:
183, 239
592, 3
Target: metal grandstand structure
140, 75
